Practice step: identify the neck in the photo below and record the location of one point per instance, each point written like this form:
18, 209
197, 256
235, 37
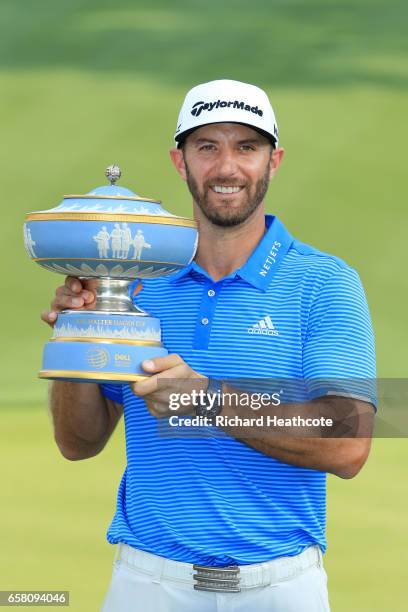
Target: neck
221, 250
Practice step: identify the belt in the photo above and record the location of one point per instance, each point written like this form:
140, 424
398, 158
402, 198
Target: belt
230, 579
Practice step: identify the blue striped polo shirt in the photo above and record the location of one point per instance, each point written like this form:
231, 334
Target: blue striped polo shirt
291, 311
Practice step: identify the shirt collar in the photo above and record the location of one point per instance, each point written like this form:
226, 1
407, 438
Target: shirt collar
262, 264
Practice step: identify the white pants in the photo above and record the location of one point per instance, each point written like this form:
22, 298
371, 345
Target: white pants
142, 582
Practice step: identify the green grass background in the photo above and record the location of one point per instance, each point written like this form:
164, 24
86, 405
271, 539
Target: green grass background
87, 83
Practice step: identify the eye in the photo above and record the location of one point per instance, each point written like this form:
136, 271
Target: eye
207, 147
247, 147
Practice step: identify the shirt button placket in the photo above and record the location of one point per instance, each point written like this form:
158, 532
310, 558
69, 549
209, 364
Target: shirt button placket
206, 315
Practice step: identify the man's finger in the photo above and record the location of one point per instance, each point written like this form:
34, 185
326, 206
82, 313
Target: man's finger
158, 364
49, 317
144, 387
156, 413
88, 296
61, 302
77, 299
166, 377
74, 284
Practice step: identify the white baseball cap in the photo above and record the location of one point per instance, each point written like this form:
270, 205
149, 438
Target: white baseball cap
226, 101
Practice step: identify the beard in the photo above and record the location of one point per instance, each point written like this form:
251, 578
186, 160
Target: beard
226, 215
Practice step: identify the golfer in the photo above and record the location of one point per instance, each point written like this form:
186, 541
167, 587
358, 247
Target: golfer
224, 520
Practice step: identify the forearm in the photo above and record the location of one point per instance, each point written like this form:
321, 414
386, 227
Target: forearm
343, 458
341, 450
80, 418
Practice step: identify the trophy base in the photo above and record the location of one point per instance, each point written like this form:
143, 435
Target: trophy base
101, 347
91, 377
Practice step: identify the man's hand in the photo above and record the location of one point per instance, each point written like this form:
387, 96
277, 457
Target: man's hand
170, 374
75, 294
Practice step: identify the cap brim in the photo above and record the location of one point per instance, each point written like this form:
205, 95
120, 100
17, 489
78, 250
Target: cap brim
180, 138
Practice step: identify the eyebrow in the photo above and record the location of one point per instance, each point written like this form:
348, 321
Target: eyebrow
202, 140
240, 142
250, 141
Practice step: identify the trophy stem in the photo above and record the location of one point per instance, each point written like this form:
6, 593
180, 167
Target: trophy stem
112, 295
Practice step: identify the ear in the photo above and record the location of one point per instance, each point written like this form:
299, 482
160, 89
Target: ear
177, 157
277, 156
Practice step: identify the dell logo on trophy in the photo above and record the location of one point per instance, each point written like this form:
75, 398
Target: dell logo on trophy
115, 236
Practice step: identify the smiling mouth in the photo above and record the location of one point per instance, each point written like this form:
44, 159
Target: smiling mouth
226, 189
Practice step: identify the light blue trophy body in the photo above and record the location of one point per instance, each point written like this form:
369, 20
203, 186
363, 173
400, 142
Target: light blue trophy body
115, 236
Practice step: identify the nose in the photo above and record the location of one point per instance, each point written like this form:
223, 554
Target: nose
227, 163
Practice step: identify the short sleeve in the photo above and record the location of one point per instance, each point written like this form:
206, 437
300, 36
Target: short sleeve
112, 392
338, 351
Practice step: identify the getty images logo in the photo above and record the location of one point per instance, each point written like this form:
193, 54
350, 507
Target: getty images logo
198, 107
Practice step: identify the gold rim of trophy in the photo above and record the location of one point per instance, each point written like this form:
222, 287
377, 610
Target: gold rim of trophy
93, 375
81, 196
107, 341
109, 259
130, 218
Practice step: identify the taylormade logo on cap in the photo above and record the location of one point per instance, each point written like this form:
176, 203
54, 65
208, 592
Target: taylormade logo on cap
209, 106
227, 101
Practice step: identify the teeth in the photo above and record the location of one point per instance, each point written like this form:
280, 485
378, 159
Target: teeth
222, 189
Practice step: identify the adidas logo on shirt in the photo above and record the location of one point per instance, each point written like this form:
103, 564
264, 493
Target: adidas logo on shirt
264, 327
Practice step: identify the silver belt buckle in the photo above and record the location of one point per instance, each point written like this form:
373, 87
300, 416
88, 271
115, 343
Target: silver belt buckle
220, 579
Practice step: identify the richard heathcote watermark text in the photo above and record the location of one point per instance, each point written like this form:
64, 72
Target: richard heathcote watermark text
277, 407
260, 421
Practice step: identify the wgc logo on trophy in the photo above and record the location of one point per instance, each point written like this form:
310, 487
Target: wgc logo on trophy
115, 236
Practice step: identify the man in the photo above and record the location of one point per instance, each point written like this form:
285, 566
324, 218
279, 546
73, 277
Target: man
116, 236
255, 304
139, 244
126, 240
102, 241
